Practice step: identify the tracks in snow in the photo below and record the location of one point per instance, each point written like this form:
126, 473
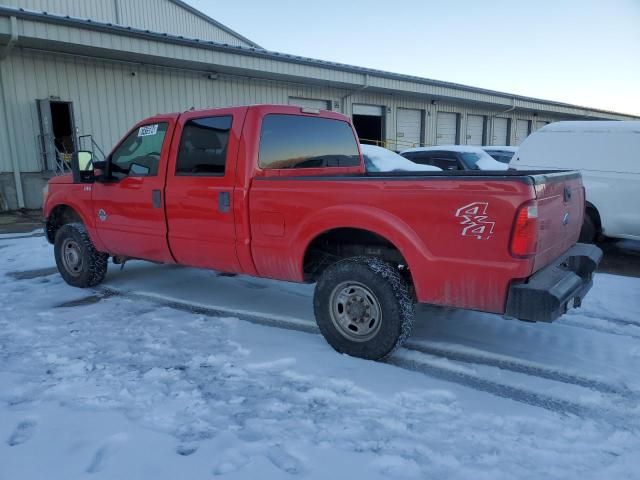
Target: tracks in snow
507, 363
423, 358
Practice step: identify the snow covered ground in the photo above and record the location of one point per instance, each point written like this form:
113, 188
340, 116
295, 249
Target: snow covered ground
168, 372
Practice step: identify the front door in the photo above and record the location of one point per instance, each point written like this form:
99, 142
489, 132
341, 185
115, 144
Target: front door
200, 189
129, 208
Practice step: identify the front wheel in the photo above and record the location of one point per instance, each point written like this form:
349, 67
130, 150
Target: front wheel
79, 263
364, 307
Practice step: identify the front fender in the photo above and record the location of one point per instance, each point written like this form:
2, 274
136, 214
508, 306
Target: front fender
78, 198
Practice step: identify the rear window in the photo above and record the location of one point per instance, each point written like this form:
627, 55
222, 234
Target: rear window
203, 146
295, 141
470, 159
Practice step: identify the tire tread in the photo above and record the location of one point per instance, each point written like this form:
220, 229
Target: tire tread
97, 262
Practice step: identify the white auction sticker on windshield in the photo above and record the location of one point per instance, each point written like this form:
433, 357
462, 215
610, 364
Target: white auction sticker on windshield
148, 130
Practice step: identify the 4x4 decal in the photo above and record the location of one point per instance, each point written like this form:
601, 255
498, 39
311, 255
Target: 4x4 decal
474, 221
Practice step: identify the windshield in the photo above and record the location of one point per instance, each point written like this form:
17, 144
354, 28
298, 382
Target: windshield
471, 160
481, 161
378, 159
503, 156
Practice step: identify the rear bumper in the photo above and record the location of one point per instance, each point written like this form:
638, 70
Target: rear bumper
558, 287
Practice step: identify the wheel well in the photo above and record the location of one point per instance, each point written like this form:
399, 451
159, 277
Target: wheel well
339, 243
59, 216
593, 213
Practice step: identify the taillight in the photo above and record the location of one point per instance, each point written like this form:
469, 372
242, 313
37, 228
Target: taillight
524, 238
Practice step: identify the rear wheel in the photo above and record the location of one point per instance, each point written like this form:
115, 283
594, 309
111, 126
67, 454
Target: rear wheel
79, 263
589, 230
364, 307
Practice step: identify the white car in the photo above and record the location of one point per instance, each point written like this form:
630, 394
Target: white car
454, 157
378, 159
607, 153
502, 153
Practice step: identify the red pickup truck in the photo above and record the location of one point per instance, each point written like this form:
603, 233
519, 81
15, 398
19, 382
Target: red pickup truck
282, 192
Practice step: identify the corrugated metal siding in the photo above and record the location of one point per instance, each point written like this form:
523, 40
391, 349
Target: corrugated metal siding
107, 99
160, 16
100, 10
150, 50
167, 17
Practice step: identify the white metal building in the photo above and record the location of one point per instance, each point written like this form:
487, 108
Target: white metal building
80, 73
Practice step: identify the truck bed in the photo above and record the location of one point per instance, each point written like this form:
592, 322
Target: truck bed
423, 215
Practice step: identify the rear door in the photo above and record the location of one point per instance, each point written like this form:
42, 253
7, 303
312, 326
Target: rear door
560, 199
200, 187
129, 208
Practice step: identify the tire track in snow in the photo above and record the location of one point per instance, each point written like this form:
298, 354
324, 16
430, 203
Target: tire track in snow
607, 318
568, 322
287, 323
506, 363
432, 368
409, 358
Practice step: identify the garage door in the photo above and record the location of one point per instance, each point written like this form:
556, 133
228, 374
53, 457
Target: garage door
475, 129
309, 103
447, 128
408, 128
522, 131
540, 124
500, 131
371, 110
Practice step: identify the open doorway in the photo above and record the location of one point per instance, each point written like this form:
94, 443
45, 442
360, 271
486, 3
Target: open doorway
57, 133
369, 128
61, 119
368, 122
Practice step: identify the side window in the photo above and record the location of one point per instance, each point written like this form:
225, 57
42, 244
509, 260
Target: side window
296, 141
139, 154
445, 161
423, 158
203, 146
414, 157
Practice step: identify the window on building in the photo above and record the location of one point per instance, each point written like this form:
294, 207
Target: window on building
139, 154
294, 141
203, 146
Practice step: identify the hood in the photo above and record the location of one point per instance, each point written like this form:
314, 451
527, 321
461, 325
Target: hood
66, 178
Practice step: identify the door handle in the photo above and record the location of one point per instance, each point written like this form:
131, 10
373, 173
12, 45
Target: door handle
156, 198
224, 202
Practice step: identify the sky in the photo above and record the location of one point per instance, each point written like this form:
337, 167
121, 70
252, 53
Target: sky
584, 52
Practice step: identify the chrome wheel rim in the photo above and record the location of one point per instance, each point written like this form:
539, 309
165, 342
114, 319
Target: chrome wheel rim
355, 311
72, 257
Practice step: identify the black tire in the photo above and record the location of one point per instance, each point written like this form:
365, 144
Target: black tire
79, 263
384, 290
589, 231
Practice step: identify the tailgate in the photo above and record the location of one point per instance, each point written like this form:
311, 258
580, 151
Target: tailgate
560, 198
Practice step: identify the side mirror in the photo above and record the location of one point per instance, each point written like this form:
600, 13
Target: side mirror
100, 165
82, 167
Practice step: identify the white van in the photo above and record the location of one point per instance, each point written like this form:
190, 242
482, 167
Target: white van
607, 153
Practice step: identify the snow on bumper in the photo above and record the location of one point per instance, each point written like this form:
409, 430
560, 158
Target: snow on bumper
560, 286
